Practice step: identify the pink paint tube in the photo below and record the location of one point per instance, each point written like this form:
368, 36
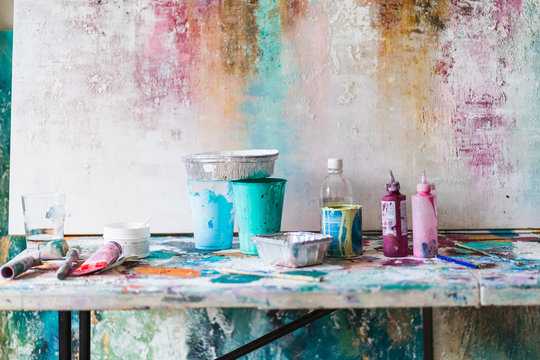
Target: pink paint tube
394, 220
105, 256
424, 217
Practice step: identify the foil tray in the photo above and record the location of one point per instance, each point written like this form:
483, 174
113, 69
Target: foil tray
293, 248
231, 165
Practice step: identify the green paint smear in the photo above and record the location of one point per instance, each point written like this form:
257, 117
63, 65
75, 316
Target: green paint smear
6, 53
235, 279
29, 335
17, 244
313, 273
162, 255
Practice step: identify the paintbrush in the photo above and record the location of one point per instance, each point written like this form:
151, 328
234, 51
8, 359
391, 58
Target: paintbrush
456, 261
72, 255
516, 262
272, 275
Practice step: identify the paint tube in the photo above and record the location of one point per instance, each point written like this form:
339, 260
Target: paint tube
47, 251
51, 250
71, 256
106, 255
20, 264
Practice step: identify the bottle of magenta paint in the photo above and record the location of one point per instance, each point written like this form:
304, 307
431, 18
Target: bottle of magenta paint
424, 218
394, 220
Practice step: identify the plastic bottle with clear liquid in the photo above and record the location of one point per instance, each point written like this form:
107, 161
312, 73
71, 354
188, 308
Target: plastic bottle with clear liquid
336, 189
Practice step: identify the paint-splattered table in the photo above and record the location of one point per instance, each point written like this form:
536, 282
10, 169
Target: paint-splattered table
178, 276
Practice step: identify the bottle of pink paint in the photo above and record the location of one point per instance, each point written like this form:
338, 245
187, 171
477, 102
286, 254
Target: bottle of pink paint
424, 218
394, 220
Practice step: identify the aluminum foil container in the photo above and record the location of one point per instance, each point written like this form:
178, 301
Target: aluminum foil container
292, 249
231, 165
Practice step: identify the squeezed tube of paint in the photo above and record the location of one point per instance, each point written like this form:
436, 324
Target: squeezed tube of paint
71, 256
394, 220
20, 264
424, 217
106, 255
47, 251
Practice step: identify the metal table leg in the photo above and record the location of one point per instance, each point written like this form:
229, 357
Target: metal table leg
276, 334
427, 322
84, 335
64, 335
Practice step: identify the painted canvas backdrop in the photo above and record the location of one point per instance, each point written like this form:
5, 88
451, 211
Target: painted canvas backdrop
108, 95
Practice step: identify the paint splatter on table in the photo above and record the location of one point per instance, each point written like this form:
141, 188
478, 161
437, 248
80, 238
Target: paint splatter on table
178, 276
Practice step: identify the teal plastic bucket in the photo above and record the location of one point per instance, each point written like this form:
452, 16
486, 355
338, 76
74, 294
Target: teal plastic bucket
258, 207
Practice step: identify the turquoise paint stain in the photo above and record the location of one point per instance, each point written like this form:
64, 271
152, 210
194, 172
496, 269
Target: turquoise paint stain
313, 273
235, 279
269, 86
491, 245
202, 261
344, 334
29, 335
162, 255
207, 272
310, 287
505, 233
6, 54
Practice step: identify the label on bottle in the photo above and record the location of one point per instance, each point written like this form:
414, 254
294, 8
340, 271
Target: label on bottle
403, 211
388, 210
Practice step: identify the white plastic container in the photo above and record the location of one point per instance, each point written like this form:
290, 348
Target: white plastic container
133, 236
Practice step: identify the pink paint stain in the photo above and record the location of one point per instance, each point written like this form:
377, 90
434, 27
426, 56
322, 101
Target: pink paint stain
473, 72
403, 262
171, 51
505, 12
481, 134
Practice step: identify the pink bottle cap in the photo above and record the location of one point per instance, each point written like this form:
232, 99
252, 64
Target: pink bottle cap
424, 186
392, 185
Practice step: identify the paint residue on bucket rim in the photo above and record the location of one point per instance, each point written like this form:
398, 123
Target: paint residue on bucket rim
343, 207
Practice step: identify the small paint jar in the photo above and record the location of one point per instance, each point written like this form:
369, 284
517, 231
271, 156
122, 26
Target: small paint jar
134, 237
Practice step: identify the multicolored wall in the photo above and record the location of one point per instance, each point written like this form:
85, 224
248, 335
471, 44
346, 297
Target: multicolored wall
115, 92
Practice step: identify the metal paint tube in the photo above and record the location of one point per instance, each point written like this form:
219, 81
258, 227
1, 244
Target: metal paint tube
72, 256
19, 264
106, 255
55, 249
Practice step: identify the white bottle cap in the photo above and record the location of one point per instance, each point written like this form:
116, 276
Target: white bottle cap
335, 164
